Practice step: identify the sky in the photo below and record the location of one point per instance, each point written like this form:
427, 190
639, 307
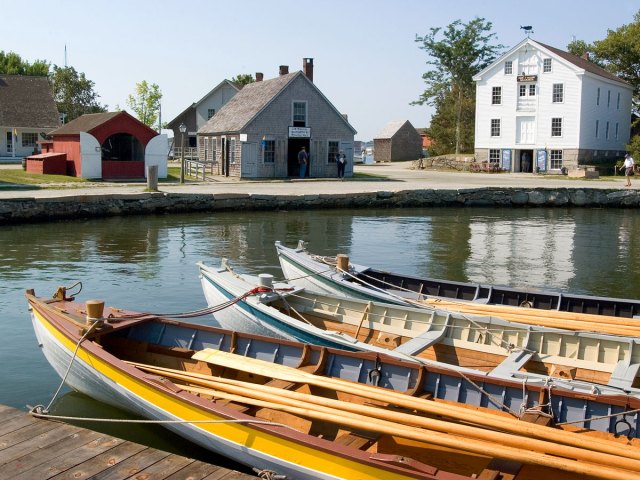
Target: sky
366, 59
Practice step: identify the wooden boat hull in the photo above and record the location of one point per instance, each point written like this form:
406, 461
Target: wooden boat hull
367, 283
273, 447
107, 366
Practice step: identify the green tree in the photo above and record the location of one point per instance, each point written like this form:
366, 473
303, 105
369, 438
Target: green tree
73, 93
456, 53
243, 79
146, 102
12, 64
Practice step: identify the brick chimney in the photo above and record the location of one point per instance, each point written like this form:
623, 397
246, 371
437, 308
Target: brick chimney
259, 76
307, 68
284, 69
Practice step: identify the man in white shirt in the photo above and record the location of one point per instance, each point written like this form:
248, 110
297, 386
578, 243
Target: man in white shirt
628, 166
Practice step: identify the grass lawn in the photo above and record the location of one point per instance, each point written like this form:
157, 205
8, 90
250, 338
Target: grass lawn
17, 176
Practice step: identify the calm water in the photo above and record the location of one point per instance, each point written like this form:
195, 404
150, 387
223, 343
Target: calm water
148, 263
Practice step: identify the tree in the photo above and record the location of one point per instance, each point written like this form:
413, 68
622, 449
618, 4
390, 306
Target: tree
73, 93
243, 79
463, 51
146, 102
12, 64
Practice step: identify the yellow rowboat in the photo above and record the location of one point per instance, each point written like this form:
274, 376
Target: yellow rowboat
303, 411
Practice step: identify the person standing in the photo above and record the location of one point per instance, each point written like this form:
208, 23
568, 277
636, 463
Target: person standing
341, 161
628, 166
303, 160
526, 162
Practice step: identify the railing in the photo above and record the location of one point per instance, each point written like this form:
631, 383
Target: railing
190, 153
199, 170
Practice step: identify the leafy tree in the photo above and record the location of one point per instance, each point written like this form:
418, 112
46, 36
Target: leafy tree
146, 102
73, 93
243, 79
12, 64
456, 53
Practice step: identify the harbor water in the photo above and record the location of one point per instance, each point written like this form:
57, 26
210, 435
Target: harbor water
147, 263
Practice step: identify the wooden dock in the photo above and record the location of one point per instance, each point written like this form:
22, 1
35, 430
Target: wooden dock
32, 448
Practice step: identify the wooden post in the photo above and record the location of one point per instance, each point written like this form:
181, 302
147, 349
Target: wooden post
152, 178
342, 262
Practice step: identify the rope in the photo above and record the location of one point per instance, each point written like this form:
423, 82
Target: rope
39, 412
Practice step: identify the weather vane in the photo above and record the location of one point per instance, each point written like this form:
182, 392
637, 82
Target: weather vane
528, 29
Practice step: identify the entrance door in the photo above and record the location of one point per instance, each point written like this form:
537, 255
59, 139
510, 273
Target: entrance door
293, 148
526, 161
249, 159
526, 130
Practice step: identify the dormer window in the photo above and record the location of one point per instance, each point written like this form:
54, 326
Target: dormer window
546, 65
508, 67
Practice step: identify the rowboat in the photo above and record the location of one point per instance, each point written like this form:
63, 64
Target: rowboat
578, 361
323, 274
293, 410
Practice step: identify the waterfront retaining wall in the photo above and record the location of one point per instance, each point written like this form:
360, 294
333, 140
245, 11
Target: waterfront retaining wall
29, 209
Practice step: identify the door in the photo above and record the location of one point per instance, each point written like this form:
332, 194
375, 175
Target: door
347, 149
249, 160
9, 142
526, 130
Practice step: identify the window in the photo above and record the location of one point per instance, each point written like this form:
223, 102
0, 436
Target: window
606, 130
214, 147
556, 159
269, 151
532, 90
494, 155
496, 96
299, 114
597, 128
522, 90
608, 98
508, 67
210, 113
546, 65
617, 130
558, 93
232, 150
29, 139
332, 150
204, 145
495, 127
556, 127
618, 102
598, 97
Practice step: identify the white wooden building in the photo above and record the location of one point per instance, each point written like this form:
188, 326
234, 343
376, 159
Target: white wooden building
540, 109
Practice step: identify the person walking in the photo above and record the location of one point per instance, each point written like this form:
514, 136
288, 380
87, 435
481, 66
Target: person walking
303, 160
628, 166
341, 161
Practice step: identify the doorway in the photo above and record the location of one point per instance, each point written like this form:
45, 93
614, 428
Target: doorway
293, 148
526, 161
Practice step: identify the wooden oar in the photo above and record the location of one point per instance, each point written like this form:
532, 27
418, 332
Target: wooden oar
429, 437
467, 431
485, 419
575, 325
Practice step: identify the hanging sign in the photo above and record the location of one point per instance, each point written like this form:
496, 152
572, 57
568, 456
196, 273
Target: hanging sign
527, 78
299, 132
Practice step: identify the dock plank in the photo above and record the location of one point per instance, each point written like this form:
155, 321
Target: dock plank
49, 450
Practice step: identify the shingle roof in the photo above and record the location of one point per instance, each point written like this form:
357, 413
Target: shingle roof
582, 63
246, 104
391, 128
27, 102
85, 123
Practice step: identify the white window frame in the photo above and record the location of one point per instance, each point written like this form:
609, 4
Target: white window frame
555, 156
532, 90
508, 67
494, 155
214, 149
232, 150
556, 122
332, 152
546, 65
295, 116
32, 135
271, 152
557, 93
496, 95
495, 124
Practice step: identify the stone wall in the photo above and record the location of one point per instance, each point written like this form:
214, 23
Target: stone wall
27, 210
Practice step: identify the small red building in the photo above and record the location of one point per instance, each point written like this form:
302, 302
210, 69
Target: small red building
112, 145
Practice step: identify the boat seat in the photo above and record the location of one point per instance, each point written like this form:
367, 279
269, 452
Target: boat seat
513, 363
422, 341
624, 375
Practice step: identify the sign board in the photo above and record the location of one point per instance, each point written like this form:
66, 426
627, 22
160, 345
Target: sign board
299, 132
541, 160
505, 161
243, 137
527, 78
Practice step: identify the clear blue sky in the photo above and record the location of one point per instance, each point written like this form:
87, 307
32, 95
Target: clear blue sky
366, 60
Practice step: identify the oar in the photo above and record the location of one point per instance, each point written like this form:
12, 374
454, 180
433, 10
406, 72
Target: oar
485, 419
255, 391
430, 437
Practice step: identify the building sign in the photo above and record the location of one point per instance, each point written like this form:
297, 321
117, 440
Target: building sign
541, 160
299, 132
505, 162
527, 78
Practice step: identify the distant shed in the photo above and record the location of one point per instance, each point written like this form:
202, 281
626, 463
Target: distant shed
397, 141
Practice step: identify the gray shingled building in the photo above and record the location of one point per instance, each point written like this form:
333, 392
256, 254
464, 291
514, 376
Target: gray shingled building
260, 131
27, 109
397, 141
